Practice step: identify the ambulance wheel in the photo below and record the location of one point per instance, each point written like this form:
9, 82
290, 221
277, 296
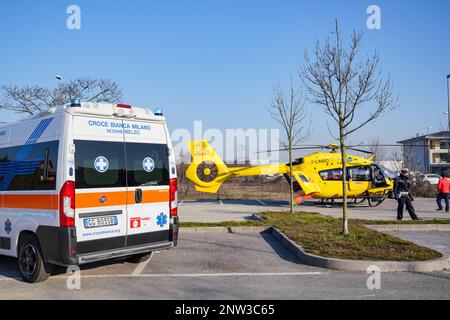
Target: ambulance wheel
138, 258
32, 266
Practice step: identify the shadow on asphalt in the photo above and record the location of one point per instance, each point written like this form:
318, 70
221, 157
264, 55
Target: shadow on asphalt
279, 249
93, 265
9, 268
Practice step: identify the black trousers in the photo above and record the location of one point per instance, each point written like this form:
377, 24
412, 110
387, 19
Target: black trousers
409, 206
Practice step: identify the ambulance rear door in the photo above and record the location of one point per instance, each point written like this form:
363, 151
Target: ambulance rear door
101, 195
148, 180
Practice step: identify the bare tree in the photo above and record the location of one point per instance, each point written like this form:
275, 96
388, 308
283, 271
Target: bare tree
397, 158
33, 99
289, 111
376, 147
342, 86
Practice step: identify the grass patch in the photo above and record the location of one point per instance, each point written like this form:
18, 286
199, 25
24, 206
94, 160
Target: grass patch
361, 244
321, 235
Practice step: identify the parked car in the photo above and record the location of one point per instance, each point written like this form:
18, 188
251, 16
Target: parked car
432, 179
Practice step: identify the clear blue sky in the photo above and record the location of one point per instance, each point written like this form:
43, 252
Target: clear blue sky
217, 61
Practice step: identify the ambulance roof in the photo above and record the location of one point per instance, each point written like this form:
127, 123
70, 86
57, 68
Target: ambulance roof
101, 109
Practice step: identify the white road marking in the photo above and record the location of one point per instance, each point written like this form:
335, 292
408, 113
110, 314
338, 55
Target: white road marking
261, 202
186, 275
141, 266
366, 296
181, 202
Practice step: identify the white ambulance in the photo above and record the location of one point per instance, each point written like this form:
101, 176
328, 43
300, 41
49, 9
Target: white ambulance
86, 182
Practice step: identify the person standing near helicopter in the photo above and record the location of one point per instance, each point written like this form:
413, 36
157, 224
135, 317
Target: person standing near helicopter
402, 193
444, 189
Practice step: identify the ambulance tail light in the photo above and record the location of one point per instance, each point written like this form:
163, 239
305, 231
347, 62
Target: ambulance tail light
173, 198
67, 205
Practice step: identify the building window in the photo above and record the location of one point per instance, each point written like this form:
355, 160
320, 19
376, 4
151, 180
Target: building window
445, 158
443, 144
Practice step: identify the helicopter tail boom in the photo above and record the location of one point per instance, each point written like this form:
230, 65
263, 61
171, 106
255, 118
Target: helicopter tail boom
208, 171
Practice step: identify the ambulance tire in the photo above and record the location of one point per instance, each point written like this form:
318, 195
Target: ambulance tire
138, 258
32, 266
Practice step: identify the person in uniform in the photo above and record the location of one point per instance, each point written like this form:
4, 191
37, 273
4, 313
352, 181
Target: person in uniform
402, 193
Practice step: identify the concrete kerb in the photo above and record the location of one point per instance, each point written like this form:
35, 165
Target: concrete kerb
344, 264
409, 227
360, 265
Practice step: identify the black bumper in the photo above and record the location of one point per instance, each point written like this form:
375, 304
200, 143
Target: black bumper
59, 244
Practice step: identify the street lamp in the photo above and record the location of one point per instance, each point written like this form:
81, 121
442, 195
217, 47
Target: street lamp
448, 94
448, 113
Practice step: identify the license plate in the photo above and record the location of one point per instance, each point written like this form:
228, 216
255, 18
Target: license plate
100, 222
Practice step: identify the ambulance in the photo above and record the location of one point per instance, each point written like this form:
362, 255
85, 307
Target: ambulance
86, 182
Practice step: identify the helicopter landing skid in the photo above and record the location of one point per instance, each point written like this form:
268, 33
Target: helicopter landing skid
363, 201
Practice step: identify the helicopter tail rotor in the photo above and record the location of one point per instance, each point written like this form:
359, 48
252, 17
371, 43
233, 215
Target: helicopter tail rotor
207, 170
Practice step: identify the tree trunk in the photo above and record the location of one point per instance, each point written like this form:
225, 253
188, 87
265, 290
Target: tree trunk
291, 185
344, 184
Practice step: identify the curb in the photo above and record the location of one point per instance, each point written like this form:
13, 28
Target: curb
409, 227
360, 265
237, 230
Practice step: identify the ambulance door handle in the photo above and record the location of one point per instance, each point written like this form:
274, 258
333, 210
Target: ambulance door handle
138, 196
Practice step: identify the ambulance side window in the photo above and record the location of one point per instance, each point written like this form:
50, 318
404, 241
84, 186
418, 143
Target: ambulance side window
147, 164
99, 164
3, 160
29, 167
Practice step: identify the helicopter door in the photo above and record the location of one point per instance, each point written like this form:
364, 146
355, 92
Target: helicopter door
307, 185
359, 179
379, 180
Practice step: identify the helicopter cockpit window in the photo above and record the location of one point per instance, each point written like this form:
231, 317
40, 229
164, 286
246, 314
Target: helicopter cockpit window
359, 173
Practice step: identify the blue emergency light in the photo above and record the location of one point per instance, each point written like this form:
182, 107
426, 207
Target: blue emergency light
158, 112
75, 103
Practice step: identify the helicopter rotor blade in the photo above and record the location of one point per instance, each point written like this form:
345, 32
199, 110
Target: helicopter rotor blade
360, 150
353, 147
390, 145
294, 148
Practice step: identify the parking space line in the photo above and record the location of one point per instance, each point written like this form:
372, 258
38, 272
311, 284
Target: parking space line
261, 202
141, 266
203, 275
185, 275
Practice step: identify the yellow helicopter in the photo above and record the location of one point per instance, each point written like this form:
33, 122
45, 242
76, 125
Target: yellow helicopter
317, 176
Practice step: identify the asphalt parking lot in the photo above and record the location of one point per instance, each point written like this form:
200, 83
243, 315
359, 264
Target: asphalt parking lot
222, 266
230, 210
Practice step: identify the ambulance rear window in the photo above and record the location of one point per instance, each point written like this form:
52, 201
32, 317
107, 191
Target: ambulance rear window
99, 164
147, 164
103, 164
